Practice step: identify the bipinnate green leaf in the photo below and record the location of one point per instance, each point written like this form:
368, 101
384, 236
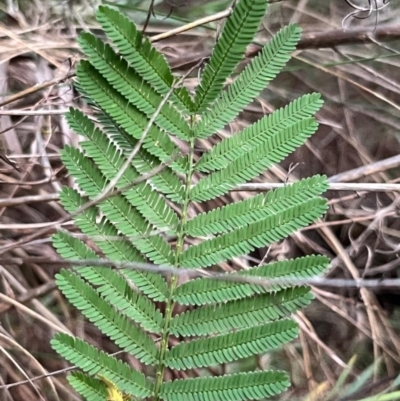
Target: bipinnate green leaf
145, 219
229, 347
235, 387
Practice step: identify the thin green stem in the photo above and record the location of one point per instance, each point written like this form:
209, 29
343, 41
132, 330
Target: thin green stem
174, 279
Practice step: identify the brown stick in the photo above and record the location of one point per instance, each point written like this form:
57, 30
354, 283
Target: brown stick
355, 36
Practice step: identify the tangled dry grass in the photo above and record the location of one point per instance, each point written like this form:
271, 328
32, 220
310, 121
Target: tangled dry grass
356, 71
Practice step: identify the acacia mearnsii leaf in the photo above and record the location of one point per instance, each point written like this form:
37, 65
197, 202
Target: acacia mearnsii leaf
203, 291
165, 181
142, 56
116, 208
235, 387
93, 361
110, 322
237, 33
110, 161
240, 314
123, 112
247, 211
226, 348
89, 387
250, 164
255, 235
255, 77
111, 243
230, 148
129, 83
111, 285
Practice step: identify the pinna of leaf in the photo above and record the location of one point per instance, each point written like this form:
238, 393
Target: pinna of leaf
225, 320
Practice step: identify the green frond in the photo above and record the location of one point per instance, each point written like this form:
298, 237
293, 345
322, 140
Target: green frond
110, 161
89, 387
255, 77
256, 134
255, 235
236, 387
204, 291
251, 210
93, 361
129, 84
236, 315
107, 238
240, 314
230, 347
111, 323
116, 208
237, 33
122, 112
252, 163
142, 56
165, 181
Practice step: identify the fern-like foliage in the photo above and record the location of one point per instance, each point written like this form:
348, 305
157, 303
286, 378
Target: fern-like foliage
146, 220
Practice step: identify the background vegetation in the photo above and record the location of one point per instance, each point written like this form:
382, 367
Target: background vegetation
348, 335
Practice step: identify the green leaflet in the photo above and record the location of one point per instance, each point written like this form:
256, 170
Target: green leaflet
255, 235
140, 54
166, 180
129, 84
256, 134
110, 160
263, 68
91, 388
240, 314
236, 387
108, 320
106, 237
121, 110
113, 288
204, 291
118, 210
251, 210
250, 164
237, 33
229, 347
93, 361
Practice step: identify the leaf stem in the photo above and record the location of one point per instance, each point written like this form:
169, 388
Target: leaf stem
174, 278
